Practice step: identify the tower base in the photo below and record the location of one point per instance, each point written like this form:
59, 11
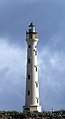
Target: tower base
32, 108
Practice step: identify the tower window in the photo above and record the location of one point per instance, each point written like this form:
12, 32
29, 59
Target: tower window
29, 46
36, 68
35, 52
28, 92
36, 84
37, 100
28, 76
28, 60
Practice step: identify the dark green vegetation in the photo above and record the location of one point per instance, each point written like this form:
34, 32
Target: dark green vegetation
32, 115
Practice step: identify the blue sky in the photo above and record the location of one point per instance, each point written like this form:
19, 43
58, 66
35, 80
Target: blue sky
49, 18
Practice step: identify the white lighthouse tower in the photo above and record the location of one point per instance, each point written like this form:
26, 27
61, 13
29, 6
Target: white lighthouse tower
32, 102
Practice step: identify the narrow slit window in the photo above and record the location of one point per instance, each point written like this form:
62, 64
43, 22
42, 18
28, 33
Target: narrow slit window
35, 52
28, 92
36, 68
28, 76
36, 84
37, 100
29, 46
29, 60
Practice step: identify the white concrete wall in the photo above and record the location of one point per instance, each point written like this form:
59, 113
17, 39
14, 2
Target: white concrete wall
31, 69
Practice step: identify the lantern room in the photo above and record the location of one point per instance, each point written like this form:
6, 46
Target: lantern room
31, 32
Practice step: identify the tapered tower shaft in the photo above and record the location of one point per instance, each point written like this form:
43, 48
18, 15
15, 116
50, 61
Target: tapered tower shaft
32, 84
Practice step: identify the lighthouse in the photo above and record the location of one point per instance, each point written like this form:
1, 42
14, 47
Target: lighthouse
32, 100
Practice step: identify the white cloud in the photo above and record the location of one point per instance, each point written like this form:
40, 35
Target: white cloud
52, 77
12, 73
